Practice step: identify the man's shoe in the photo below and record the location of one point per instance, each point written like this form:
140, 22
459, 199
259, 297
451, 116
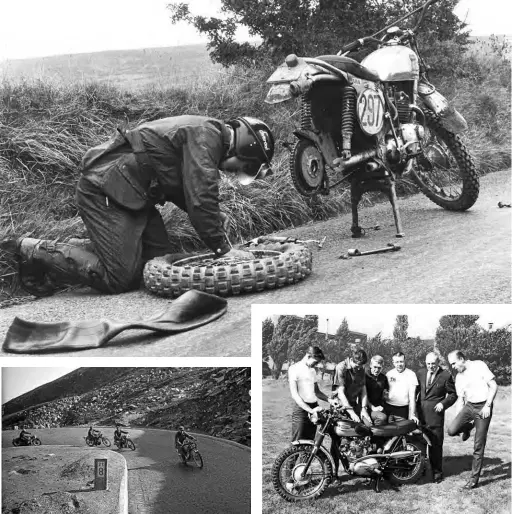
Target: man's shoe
471, 484
438, 477
464, 436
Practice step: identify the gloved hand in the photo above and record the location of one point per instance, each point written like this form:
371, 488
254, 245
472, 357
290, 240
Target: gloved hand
238, 254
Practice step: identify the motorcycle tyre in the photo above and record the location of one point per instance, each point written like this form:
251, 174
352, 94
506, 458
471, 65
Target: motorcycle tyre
16, 443
89, 441
293, 264
302, 448
106, 441
130, 444
36, 441
198, 459
467, 168
412, 479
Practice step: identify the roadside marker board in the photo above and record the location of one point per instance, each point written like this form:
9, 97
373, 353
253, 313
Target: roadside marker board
100, 474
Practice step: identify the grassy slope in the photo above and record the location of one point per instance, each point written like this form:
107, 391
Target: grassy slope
47, 124
424, 497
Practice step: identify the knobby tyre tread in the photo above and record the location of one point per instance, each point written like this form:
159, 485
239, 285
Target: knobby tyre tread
291, 263
277, 467
467, 168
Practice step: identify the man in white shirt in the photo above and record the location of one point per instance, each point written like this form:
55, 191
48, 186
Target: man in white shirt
306, 393
401, 398
476, 386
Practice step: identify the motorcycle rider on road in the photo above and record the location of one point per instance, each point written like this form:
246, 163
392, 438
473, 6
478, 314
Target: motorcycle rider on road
25, 436
93, 433
119, 435
180, 439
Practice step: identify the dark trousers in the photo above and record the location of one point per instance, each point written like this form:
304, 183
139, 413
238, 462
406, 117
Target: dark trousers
123, 239
436, 436
397, 413
302, 427
468, 417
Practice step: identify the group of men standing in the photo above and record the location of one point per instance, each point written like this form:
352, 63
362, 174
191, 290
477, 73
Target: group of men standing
374, 398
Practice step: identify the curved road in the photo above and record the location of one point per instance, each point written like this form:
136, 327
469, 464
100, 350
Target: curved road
159, 484
446, 258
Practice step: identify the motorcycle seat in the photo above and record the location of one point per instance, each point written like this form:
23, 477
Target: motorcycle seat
350, 66
392, 429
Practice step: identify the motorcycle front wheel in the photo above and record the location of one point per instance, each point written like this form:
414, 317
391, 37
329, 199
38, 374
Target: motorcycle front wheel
36, 441
198, 459
106, 441
408, 471
130, 444
446, 173
288, 468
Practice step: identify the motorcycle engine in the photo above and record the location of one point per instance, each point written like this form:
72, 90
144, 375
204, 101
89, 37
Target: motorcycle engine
355, 447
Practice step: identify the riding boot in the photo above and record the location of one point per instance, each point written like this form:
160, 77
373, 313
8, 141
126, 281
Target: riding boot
62, 263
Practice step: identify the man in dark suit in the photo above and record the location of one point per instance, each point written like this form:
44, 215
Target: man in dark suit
436, 394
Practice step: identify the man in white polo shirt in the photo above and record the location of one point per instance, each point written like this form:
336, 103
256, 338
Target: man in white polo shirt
476, 386
305, 392
401, 400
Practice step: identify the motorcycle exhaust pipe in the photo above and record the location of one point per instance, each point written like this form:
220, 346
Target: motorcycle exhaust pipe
343, 164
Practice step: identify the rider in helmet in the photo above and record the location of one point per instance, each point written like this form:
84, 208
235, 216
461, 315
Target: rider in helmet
24, 435
119, 434
179, 441
93, 433
174, 159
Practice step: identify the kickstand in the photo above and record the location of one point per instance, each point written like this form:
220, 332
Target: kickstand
376, 484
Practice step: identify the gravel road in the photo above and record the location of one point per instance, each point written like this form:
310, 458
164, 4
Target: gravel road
446, 258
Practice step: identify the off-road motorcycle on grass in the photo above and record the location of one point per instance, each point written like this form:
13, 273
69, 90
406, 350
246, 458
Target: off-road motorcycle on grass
369, 123
31, 441
190, 452
394, 452
97, 440
124, 442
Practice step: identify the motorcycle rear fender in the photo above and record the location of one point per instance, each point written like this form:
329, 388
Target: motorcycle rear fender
324, 143
321, 449
289, 73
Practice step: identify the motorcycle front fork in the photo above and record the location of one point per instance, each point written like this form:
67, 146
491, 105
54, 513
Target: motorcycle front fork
319, 437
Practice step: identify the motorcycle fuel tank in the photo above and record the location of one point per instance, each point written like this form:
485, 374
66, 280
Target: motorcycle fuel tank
393, 63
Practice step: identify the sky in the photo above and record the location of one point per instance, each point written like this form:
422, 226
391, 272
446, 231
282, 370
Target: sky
16, 381
372, 319
35, 28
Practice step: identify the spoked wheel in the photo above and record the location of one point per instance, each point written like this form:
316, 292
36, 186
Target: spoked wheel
446, 173
89, 441
307, 168
36, 441
407, 471
273, 266
130, 444
287, 474
106, 441
198, 459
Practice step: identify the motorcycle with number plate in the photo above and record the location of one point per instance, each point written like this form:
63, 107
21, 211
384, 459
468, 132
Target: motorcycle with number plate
394, 452
372, 122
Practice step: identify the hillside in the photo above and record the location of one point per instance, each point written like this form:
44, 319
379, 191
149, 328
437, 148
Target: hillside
214, 401
126, 69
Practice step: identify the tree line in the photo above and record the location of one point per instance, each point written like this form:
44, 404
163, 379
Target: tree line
287, 339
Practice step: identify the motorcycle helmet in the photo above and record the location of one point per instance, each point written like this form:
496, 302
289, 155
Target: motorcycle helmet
181, 428
251, 150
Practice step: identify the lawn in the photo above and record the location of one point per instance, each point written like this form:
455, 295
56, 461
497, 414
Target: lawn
353, 496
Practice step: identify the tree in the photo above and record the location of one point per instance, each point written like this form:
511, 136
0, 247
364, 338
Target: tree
281, 339
304, 336
336, 347
309, 27
400, 330
267, 329
456, 332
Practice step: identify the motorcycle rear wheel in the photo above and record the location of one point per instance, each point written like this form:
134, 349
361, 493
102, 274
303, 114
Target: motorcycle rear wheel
286, 470
412, 475
452, 182
198, 459
275, 265
36, 441
307, 168
130, 444
106, 441
15, 442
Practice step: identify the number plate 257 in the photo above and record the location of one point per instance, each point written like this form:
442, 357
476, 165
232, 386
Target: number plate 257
370, 111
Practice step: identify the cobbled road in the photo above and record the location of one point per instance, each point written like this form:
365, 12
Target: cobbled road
158, 483
446, 258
